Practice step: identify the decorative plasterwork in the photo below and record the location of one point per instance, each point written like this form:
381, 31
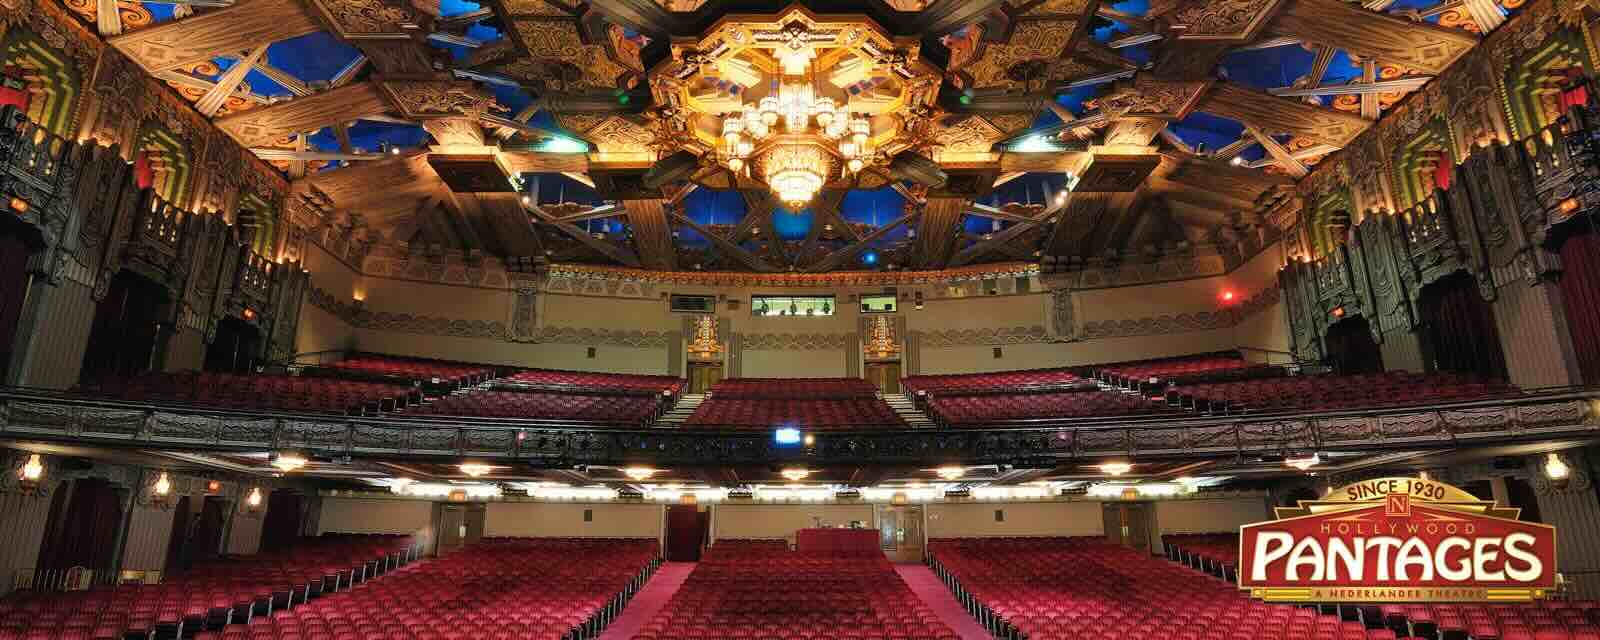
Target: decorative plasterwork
1226, 20
1181, 322
360, 318
436, 98
795, 341
558, 58
833, 279
616, 338
990, 336
1036, 46
1147, 97
369, 19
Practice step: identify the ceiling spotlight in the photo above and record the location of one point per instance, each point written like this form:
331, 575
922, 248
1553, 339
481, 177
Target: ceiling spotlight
951, 472
474, 469
796, 475
1236, 161
639, 473
1303, 463
527, 200
288, 462
1555, 468
1115, 468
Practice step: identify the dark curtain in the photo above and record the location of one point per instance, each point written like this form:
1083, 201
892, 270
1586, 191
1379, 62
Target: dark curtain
683, 533
281, 528
14, 279
87, 534
123, 336
207, 542
1351, 348
1580, 293
179, 536
1522, 496
235, 347
1459, 328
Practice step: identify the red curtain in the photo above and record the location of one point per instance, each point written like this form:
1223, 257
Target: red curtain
144, 174
1460, 328
1441, 175
1580, 293
14, 88
281, 528
87, 534
14, 254
123, 336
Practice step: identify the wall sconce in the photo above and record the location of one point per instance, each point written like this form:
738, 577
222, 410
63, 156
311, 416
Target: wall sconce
163, 485
213, 486
1555, 468
32, 471
253, 501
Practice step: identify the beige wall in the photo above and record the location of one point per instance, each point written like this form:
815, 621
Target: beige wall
795, 364
563, 519
976, 520
244, 533
608, 358
54, 357
21, 532
321, 331
980, 358
1209, 516
781, 520
149, 530
374, 515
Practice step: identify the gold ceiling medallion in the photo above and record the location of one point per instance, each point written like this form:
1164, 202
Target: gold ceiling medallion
795, 102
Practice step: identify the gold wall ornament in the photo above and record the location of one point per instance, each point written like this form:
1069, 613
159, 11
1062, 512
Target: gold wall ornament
882, 343
704, 345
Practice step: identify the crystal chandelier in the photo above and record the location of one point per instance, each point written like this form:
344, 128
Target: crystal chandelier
795, 163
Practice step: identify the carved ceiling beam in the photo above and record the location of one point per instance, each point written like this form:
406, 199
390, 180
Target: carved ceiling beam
1173, 140
1134, 40
602, 211
757, 205
998, 214
1022, 225
729, 247
1299, 154
511, 221
825, 212
1233, 149
212, 101
1271, 113
834, 259
1368, 34
228, 30
936, 231
1280, 155
454, 216
464, 20
1190, 59
388, 32
311, 113
651, 233
944, 17
304, 155
1135, 22
483, 227
436, 229
1093, 119
288, 80
1319, 69
347, 74
108, 17
341, 132
184, 79
538, 162
1268, 43
646, 16
297, 168
1370, 109
607, 249
1382, 86
1083, 213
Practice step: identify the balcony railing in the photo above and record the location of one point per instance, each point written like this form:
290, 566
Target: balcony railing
1564, 412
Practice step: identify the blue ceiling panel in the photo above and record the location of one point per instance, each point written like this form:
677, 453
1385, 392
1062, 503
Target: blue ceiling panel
314, 57
874, 207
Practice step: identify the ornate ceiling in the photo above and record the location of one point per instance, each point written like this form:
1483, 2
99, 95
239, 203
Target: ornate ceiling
1071, 132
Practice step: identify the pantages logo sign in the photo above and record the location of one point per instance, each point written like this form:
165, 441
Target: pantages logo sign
1397, 540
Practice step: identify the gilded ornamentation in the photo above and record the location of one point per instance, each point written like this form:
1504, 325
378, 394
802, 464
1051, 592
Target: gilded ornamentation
362, 19
1146, 97
976, 337
795, 341
441, 98
555, 43
1222, 19
1033, 41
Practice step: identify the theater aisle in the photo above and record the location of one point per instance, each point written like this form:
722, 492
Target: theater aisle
933, 593
651, 599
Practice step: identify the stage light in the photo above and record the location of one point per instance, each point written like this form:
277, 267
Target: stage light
1304, 463
951, 472
787, 435
796, 475
639, 473
474, 469
1115, 468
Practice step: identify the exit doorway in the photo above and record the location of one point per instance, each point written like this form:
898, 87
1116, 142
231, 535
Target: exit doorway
1128, 524
884, 375
704, 374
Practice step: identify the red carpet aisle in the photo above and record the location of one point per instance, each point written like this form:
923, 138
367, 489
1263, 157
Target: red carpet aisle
655, 595
933, 592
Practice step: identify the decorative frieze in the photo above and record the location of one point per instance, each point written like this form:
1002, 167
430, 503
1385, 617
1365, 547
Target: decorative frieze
988, 336
795, 341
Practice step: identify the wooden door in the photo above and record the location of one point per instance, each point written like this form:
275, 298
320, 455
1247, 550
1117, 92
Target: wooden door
1128, 524
452, 528
704, 374
885, 376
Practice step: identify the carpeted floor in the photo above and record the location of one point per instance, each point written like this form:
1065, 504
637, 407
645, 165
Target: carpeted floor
933, 592
650, 600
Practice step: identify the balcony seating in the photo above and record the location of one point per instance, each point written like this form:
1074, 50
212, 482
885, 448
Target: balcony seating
821, 404
957, 411
1141, 373
496, 589
417, 369
1089, 588
553, 379
748, 592
606, 409
259, 392
209, 595
977, 382
1329, 393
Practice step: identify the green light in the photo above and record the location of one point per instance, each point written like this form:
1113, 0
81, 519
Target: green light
966, 99
624, 98
560, 144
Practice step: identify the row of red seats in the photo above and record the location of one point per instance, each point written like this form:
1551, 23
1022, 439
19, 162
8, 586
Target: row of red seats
260, 392
1329, 392
496, 589
601, 381
1137, 374
837, 414
794, 388
630, 410
763, 593
956, 410
1089, 588
973, 382
209, 594
420, 369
